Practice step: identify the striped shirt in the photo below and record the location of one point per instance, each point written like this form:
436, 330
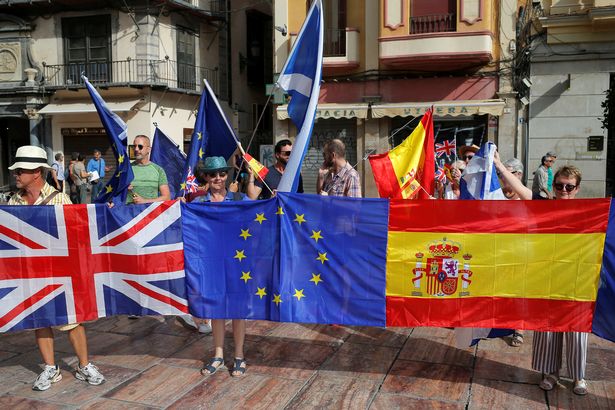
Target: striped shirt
59, 199
345, 183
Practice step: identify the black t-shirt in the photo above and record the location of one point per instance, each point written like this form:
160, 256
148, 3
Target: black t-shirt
273, 179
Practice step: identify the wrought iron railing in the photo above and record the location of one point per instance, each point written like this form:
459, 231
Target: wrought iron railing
163, 73
335, 42
434, 23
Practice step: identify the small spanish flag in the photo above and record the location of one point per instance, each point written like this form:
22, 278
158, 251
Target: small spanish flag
258, 168
401, 172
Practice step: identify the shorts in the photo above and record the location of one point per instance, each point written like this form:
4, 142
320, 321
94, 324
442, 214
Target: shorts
66, 328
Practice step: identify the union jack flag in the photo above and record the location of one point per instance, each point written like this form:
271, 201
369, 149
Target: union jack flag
191, 185
447, 147
74, 263
440, 175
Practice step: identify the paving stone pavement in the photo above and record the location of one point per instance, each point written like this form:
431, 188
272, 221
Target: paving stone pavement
153, 362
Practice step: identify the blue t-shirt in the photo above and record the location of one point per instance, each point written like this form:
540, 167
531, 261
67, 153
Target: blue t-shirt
98, 166
230, 196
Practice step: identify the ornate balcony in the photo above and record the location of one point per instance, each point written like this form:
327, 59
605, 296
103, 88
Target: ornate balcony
138, 72
341, 51
434, 23
437, 51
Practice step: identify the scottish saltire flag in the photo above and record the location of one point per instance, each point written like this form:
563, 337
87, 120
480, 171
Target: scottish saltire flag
604, 318
167, 154
212, 136
480, 180
293, 258
116, 189
73, 263
301, 77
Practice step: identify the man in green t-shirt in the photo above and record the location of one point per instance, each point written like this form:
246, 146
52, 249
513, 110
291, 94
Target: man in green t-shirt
150, 182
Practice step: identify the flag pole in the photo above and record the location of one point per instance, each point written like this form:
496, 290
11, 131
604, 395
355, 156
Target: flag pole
237, 142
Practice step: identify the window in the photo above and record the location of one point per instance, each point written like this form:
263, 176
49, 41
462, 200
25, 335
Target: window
87, 48
186, 69
433, 16
334, 13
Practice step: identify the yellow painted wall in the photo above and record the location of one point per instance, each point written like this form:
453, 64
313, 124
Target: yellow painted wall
399, 31
489, 8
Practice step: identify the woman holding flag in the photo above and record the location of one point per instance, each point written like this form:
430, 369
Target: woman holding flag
216, 174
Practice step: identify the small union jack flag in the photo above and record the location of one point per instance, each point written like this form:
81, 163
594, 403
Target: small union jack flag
440, 174
191, 183
74, 263
446, 147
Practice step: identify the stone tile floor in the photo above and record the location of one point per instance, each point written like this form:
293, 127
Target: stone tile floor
153, 362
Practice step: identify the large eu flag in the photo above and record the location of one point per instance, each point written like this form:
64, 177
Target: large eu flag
293, 258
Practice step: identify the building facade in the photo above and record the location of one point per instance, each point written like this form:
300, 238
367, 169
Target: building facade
387, 61
148, 60
572, 65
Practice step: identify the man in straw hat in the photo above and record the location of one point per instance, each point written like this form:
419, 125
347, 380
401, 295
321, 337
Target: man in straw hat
467, 152
30, 171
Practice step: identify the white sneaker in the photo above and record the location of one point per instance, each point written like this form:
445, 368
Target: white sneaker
50, 374
187, 322
205, 328
90, 373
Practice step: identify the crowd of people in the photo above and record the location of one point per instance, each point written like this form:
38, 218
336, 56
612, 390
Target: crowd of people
41, 184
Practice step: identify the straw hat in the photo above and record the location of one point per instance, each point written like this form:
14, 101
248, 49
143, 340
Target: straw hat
465, 148
30, 157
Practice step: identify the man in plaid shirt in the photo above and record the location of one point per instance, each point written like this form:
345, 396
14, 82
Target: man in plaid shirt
30, 171
339, 177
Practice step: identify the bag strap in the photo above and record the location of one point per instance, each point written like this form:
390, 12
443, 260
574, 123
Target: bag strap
49, 198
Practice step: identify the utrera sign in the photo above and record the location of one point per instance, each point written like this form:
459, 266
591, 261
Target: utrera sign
452, 108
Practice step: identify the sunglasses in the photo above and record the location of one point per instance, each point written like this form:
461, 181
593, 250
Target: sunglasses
566, 187
285, 153
140, 146
20, 171
221, 174
467, 157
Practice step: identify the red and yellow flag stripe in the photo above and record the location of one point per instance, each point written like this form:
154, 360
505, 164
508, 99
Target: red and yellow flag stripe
258, 168
527, 265
407, 171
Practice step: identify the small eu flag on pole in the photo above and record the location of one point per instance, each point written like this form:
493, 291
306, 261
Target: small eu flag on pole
300, 77
116, 189
212, 136
168, 155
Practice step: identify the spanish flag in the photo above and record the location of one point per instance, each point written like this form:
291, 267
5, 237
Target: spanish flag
258, 168
521, 264
403, 171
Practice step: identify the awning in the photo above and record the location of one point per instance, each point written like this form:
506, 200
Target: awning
441, 109
85, 107
331, 111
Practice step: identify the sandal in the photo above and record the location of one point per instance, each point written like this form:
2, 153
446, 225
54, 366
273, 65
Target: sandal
517, 339
549, 382
210, 369
239, 368
580, 387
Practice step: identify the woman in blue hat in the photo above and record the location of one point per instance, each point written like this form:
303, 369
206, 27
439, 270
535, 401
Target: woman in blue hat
215, 171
